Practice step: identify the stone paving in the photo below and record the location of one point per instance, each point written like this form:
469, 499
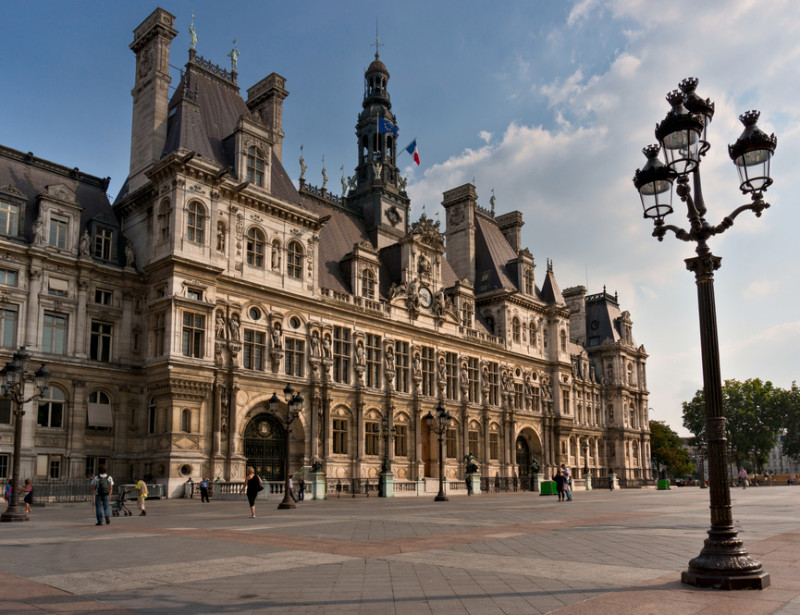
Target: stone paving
615, 552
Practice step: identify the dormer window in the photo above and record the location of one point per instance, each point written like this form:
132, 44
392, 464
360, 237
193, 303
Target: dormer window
255, 166
9, 219
195, 222
368, 284
58, 232
528, 281
102, 244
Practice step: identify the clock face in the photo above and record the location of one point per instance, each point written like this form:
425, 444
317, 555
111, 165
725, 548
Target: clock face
425, 297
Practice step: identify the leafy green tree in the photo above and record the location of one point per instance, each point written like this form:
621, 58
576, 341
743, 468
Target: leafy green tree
667, 449
789, 409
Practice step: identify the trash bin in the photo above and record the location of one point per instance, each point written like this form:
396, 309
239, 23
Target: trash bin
548, 487
663, 483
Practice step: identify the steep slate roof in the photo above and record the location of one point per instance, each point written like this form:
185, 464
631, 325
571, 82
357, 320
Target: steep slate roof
30, 175
492, 254
602, 311
551, 293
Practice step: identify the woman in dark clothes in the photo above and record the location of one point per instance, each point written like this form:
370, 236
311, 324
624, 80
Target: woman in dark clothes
252, 484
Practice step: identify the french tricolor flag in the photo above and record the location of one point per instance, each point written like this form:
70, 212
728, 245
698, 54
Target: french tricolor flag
412, 149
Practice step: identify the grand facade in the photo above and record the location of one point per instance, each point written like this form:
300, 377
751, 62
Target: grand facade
169, 318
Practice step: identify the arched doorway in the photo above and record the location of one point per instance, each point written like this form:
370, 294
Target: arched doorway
523, 462
265, 447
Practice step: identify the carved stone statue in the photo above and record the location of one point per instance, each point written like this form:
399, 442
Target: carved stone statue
233, 327
471, 462
464, 380
86, 244
360, 362
38, 229
303, 167
277, 336
344, 182
234, 56
388, 361
315, 346
192, 35
220, 326
442, 379
535, 465
324, 174
130, 257
327, 353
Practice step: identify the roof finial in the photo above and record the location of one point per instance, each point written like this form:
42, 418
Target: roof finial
192, 35
302, 164
234, 56
377, 42
491, 200
324, 174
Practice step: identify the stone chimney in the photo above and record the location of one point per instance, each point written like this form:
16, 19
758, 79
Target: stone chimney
459, 205
265, 99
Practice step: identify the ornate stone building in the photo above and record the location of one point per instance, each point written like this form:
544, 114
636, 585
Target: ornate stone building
166, 342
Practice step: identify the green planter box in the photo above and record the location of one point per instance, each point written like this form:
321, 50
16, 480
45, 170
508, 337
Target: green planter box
548, 487
663, 483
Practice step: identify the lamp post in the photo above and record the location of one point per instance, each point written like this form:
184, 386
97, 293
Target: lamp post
386, 466
294, 406
442, 421
723, 562
13, 377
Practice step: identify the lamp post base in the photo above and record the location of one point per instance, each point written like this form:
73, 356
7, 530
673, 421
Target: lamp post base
14, 513
441, 497
286, 503
725, 564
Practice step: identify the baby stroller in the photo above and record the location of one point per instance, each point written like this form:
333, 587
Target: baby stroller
119, 506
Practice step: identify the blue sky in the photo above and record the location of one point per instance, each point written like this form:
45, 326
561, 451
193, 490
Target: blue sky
549, 103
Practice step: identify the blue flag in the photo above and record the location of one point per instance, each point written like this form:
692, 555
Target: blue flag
385, 125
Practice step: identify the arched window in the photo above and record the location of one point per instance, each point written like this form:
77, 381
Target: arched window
195, 222
563, 341
186, 420
51, 408
490, 324
466, 313
294, 260
532, 334
163, 220
255, 166
368, 283
339, 433
516, 329
255, 248
99, 415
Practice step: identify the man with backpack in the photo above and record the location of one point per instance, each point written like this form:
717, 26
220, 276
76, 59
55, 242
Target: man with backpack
102, 486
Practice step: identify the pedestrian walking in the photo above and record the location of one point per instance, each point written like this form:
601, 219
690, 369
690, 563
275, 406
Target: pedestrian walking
743, 481
252, 485
558, 477
141, 496
301, 488
567, 482
9, 488
204, 491
291, 489
469, 484
27, 489
102, 486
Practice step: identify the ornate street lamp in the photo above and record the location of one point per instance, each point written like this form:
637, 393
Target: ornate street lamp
723, 562
442, 422
386, 466
294, 406
12, 381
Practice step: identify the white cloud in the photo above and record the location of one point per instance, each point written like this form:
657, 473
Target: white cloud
485, 136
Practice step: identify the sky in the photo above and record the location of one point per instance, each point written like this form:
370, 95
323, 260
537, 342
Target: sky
547, 103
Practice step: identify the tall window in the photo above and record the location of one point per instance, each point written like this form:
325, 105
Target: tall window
151, 416
528, 281
4, 466
516, 330
102, 297
490, 324
565, 401
255, 248
255, 166
5, 411
494, 445
532, 340
163, 221
186, 420
368, 283
535, 396
474, 444
100, 342
519, 396
494, 378
451, 365
473, 368
294, 260
159, 334
339, 433
341, 355
54, 334
294, 357
51, 408
99, 412
9, 219
102, 244
401, 441
8, 327
466, 313
195, 222
254, 348
372, 435
373, 361
194, 331
450, 444
58, 232
428, 385
401, 360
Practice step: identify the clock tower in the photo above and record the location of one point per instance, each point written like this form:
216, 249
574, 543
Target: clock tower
378, 191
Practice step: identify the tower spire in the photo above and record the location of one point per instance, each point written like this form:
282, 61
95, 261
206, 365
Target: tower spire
377, 43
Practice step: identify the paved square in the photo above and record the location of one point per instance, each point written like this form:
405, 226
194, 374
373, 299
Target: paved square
604, 552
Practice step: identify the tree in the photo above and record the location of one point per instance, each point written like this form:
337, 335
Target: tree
754, 413
667, 449
789, 409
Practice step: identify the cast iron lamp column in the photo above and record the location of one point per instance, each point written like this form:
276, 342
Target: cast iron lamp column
13, 386
294, 406
386, 466
723, 562
442, 419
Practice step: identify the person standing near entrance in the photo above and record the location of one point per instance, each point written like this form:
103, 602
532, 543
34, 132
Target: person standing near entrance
102, 486
252, 485
204, 491
559, 480
301, 488
567, 482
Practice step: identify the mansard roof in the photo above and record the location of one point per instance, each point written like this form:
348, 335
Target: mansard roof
31, 175
551, 293
492, 255
602, 313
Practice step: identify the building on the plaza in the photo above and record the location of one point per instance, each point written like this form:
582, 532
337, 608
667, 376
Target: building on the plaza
170, 318
778, 463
